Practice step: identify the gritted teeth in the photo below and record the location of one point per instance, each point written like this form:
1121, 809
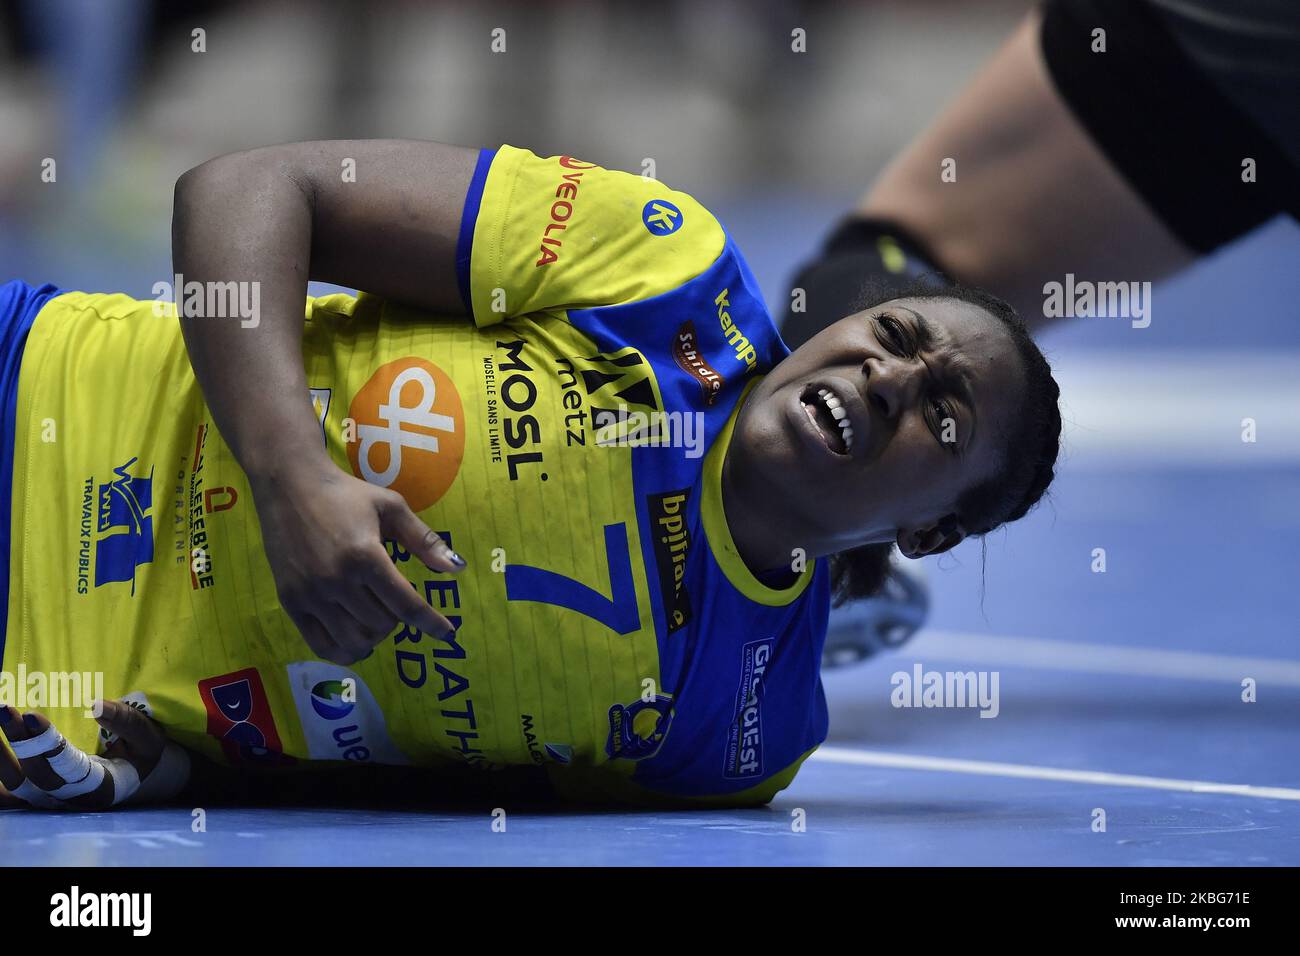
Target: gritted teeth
841, 416
830, 414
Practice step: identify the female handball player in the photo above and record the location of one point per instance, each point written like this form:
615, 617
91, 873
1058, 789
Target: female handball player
550, 491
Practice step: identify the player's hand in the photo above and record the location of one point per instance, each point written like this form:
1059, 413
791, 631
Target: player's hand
44, 771
323, 531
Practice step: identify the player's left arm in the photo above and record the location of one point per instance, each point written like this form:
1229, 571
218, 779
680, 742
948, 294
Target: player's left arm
378, 215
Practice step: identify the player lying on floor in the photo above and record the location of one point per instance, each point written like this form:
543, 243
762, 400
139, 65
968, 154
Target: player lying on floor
655, 501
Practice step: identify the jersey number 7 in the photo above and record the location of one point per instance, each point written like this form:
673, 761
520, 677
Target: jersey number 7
618, 612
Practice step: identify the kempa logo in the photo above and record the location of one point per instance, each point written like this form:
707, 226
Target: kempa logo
735, 338
410, 431
922, 688
74, 908
1112, 300
661, 217
672, 542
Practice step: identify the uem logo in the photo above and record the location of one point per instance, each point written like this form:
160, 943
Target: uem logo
125, 526
686, 353
328, 698
340, 717
410, 431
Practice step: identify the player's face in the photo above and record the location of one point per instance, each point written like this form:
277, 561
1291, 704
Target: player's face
872, 430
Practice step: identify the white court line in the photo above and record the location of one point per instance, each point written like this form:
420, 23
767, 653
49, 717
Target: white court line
988, 768
1100, 658
1179, 407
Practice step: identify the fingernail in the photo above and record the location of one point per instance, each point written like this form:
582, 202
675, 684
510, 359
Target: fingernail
30, 721
457, 560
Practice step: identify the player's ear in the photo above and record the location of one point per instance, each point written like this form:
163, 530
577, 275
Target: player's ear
933, 538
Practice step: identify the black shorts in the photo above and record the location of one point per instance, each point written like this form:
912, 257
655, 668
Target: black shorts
1185, 93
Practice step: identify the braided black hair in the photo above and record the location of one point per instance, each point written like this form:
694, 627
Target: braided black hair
1026, 469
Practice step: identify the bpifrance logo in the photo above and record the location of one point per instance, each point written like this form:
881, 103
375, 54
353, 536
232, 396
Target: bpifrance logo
410, 431
638, 730
687, 355
239, 716
744, 752
671, 544
661, 217
125, 526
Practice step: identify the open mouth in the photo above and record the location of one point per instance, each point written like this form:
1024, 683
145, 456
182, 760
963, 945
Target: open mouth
829, 416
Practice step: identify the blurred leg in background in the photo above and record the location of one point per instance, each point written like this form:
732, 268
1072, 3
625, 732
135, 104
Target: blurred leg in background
1108, 139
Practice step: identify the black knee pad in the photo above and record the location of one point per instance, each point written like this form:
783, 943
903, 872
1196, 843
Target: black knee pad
861, 254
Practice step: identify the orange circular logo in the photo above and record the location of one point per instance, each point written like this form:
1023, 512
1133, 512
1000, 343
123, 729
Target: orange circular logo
410, 431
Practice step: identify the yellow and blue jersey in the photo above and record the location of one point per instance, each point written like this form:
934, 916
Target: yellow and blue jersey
568, 442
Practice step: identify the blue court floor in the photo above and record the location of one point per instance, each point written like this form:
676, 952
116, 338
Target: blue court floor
1120, 694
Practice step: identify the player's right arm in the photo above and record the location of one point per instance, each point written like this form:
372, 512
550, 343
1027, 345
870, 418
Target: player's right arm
377, 215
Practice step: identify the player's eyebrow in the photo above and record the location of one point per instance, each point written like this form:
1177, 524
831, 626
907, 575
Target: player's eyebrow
958, 372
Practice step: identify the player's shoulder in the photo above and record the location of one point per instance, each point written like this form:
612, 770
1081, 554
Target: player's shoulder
574, 211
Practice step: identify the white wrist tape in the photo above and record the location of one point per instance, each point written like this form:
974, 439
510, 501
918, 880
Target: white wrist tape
69, 763
126, 779
168, 778
90, 781
47, 740
82, 773
37, 797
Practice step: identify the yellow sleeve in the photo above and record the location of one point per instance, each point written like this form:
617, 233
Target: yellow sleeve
559, 233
